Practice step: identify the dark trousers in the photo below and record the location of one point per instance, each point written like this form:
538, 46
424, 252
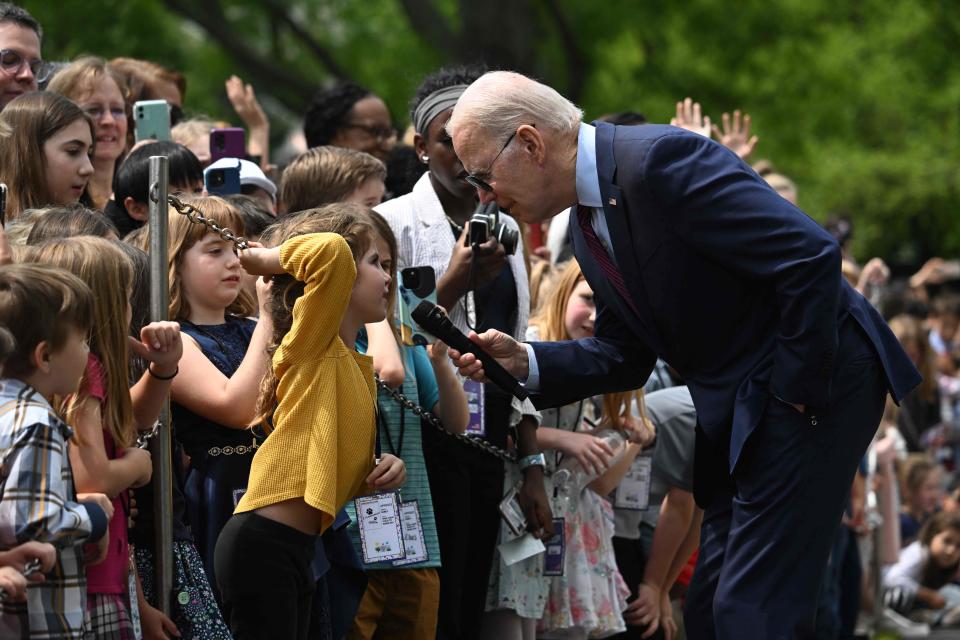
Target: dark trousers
839, 601
265, 577
766, 536
467, 486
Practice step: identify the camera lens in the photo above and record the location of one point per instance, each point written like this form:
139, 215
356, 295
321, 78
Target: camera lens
508, 238
217, 178
218, 142
411, 279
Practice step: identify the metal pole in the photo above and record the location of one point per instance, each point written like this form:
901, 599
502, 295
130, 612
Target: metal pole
875, 522
160, 448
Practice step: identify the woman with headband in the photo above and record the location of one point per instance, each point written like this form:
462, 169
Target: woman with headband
431, 225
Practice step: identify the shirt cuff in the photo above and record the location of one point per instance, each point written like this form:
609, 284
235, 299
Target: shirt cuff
98, 520
532, 383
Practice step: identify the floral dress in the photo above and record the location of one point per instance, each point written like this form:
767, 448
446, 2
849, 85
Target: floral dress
587, 600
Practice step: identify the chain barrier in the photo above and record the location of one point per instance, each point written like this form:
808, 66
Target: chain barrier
423, 414
143, 440
29, 569
196, 216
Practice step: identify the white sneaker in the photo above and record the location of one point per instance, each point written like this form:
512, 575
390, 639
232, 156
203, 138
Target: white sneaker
901, 625
951, 618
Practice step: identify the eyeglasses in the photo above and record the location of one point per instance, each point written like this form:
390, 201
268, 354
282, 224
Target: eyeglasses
380, 133
12, 62
98, 111
476, 181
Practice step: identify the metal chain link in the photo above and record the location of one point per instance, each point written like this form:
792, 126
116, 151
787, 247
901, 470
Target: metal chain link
29, 569
143, 441
197, 217
420, 412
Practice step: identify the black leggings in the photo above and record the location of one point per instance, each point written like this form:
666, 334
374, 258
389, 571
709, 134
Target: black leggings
264, 572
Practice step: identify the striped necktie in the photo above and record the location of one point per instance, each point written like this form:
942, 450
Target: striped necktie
601, 257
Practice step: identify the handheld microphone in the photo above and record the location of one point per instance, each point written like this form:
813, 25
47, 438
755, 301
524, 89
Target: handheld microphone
433, 319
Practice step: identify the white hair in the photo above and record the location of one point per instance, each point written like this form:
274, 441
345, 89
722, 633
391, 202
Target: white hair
499, 102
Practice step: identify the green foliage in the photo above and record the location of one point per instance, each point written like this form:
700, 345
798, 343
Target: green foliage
854, 99
137, 29
857, 101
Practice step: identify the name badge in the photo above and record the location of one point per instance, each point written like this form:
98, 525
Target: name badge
512, 514
474, 392
414, 544
633, 494
134, 607
381, 534
553, 560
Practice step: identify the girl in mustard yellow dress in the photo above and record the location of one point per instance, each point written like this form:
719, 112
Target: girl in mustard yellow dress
320, 398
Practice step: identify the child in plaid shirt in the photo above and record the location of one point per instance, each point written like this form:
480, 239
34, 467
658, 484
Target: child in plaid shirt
48, 313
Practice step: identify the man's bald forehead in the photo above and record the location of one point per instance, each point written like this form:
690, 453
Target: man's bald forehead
501, 101
491, 87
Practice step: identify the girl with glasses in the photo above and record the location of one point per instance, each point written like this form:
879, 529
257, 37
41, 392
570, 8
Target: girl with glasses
101, 93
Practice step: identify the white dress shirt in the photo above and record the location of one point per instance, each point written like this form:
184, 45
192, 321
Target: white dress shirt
424, 238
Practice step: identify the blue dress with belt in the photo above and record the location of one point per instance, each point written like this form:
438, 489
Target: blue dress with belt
220, 456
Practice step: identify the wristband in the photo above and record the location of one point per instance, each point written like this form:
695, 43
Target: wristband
536, 460
170, 377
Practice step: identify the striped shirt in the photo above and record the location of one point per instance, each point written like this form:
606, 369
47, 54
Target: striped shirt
406, 443
38, 502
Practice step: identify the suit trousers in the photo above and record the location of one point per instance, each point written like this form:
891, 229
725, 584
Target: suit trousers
767, 534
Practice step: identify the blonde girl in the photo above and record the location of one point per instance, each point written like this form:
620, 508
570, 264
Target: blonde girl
922, 493
106, 412
328, 282
586, 599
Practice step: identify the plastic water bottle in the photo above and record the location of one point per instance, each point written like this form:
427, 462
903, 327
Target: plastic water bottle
571, 478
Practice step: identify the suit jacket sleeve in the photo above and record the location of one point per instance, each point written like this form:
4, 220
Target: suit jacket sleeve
571, 370
723, 210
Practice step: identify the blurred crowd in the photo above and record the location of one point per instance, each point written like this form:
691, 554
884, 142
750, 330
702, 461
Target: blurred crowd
85, 374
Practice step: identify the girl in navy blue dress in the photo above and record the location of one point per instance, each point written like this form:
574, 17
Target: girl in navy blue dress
224, 360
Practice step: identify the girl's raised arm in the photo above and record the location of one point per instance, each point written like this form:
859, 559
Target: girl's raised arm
324, 263
204, 390
160, 345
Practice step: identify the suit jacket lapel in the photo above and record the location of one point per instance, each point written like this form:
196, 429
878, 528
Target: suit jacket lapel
618, 222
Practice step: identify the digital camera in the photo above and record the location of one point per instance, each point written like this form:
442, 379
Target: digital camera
485, 224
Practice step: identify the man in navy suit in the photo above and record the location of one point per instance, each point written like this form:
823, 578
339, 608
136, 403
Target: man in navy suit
694, 258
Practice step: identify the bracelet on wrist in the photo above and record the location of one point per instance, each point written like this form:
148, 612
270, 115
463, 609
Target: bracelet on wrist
536, 460
159, 377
